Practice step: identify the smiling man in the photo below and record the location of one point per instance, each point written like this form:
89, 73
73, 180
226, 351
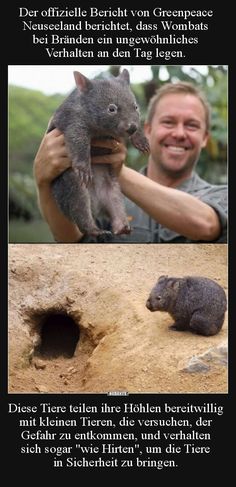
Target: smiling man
166, 201
174, 203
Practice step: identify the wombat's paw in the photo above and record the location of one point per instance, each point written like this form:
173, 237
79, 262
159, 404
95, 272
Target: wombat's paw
173, 327
178, 327
96, 232
104, 237
125, 229
204, 328
139, 141
84, 176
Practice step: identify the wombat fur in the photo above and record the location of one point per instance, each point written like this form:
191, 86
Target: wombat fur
98, 108
197, 304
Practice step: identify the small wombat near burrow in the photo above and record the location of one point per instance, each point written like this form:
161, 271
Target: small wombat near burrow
197, 304
100, 108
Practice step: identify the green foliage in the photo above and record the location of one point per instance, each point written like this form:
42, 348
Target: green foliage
22, 197
35, 231
29, 113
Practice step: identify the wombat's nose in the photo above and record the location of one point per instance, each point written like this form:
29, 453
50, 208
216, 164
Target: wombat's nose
148, 304
132, 128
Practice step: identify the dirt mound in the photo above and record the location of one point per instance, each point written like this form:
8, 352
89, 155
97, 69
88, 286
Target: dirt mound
78, 321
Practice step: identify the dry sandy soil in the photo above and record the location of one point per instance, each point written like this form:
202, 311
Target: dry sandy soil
78, 321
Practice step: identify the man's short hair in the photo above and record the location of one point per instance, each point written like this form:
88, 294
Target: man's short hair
182, 87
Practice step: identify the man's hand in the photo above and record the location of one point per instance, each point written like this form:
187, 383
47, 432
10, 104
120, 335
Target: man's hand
109, 151
51, 159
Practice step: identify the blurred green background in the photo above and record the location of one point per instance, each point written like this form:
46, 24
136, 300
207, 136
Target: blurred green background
30, 110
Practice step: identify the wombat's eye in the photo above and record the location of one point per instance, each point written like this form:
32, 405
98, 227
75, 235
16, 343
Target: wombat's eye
112, 108
136, 106
158, 298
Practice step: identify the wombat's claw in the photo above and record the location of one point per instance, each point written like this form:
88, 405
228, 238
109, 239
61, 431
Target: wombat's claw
85, 177
143, 146
139, 141
173, 327
96, 232
126, 229
177, 327
104, 236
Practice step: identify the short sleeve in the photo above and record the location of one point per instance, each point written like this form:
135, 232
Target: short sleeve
217, 198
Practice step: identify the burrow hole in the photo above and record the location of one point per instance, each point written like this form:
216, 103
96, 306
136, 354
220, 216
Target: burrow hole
58, 336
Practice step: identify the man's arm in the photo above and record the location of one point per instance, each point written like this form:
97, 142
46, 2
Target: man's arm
172, 208
50, 161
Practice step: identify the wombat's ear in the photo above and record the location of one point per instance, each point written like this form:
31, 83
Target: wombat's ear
124, 76
82, 82
174, 284
162, 278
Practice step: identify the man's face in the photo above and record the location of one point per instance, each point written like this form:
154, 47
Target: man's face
177, 133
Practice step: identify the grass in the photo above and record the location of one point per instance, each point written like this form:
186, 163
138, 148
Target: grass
36, 231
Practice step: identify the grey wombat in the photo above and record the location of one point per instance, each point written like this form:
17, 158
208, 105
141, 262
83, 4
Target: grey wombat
96, 108
197, 304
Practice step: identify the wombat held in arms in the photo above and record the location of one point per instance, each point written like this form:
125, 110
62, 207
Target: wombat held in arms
101, 108
197, 304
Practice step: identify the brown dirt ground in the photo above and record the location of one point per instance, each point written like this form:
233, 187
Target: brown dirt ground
103, 288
